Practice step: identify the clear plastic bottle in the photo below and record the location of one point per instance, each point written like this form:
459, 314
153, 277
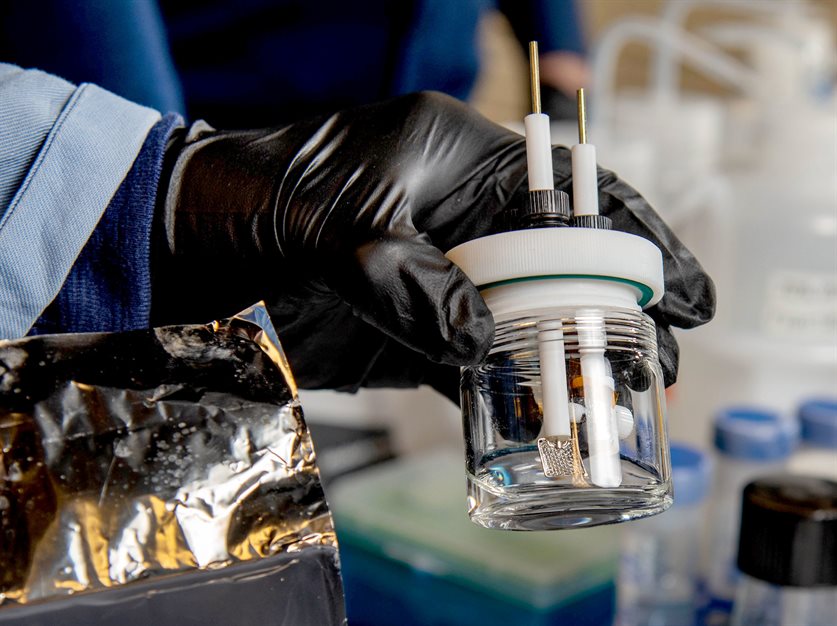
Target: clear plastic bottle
565, 420
788, 553
749, 442
817, 454
659, 573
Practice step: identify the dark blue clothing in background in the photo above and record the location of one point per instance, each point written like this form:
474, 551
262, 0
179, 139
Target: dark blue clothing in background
117, 44
250, 63
262, 62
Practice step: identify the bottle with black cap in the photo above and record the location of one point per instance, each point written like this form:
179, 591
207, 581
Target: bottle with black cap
787, 552
750, 441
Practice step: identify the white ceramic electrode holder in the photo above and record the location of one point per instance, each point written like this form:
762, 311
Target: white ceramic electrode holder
539, 152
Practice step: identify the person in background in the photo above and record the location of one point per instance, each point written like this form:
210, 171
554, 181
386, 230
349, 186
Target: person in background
266, 62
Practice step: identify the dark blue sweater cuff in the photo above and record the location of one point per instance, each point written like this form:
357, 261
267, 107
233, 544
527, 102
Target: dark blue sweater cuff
109, 286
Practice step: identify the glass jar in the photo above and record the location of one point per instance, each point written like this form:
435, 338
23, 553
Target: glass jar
565, 419
586, 447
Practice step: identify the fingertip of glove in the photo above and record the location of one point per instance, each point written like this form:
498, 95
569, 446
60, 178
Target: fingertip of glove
470, 327
706, 302
669, 354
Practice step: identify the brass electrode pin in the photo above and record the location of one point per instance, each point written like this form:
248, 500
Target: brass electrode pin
534, 77
582, 117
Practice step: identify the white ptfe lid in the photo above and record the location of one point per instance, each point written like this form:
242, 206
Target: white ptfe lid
564, 253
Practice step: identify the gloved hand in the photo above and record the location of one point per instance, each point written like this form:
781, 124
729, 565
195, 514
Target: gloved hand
340, 224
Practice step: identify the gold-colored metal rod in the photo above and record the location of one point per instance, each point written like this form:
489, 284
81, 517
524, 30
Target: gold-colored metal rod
582, 117
534, 77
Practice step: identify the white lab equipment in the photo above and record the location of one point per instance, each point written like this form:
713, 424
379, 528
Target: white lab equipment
817, 453
685, 131
749, 442
522, 473
775, 335
678, 135
787, 553
659, 573
602, 426
748, 183
546, 202
565, 420
770, 24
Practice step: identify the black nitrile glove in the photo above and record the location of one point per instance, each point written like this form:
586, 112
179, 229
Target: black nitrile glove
340, 224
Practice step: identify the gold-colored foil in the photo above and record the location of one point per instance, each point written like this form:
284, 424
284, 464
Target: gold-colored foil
128, 456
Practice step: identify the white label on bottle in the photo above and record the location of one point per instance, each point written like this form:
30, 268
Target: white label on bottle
801, 305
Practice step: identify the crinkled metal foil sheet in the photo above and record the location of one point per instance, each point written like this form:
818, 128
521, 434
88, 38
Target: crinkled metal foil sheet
126, 457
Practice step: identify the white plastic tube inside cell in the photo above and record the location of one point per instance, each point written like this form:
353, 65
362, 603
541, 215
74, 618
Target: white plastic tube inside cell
556, 414
602, 429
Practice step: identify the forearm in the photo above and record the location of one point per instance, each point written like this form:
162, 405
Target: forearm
65, 151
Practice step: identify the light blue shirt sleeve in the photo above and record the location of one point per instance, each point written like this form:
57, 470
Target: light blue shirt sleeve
64, 151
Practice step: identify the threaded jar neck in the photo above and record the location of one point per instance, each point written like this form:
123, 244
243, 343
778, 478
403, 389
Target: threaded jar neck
624, 329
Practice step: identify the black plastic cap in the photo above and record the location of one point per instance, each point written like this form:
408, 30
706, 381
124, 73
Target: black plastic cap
591, 221
789, 531
545, 208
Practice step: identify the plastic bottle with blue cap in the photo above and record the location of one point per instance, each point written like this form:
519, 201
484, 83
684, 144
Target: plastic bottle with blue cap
817, 453
749, 442
659, 574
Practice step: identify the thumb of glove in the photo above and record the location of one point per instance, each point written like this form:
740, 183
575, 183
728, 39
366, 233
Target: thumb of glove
406, 288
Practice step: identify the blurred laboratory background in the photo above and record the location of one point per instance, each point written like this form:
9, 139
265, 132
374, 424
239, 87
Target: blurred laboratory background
722, 114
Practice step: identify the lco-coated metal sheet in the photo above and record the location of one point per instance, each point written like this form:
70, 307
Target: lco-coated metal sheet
145, 456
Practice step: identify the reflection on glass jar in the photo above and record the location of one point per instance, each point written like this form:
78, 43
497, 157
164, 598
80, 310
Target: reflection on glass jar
565, 422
